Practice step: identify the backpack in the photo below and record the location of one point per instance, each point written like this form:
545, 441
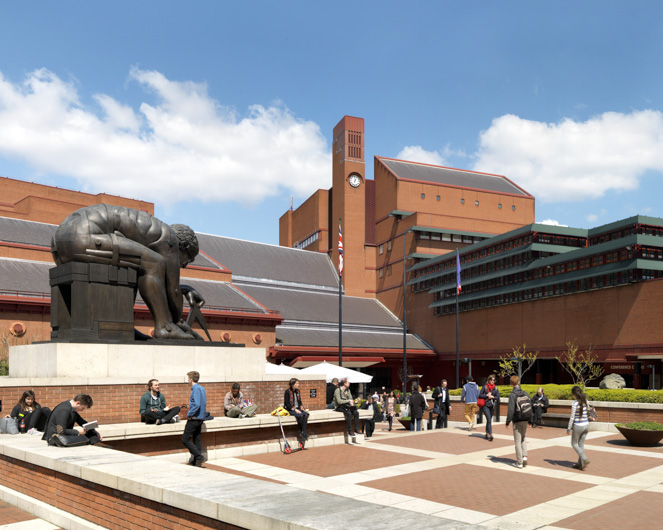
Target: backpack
523, 411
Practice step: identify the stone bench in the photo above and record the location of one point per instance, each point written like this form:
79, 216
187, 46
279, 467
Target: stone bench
221, 433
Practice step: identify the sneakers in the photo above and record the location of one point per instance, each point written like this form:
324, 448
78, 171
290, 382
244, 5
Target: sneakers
524, 461
175, 419
199, 461
158, 422
192, 460
471, 427
519, 466
585, 463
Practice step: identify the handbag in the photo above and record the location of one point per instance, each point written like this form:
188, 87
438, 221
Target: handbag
69, 440
592, 414
481, 402
8, 426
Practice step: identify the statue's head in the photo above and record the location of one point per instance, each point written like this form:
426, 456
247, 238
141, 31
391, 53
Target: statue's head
188, 243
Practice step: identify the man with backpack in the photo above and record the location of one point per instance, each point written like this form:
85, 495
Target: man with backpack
520, 413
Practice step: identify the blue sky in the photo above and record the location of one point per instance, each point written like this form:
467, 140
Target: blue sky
220, 111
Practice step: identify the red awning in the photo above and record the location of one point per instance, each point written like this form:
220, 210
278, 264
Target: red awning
348, 362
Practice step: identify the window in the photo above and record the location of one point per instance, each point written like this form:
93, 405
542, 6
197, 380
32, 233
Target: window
388, 245
389, 270
437, 198
435, 237
513, 207
381, 249
381, 273
499, 206
446, 237
476, 203
462, 201
423, 195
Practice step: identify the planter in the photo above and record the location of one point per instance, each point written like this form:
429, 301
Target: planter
405, 423
641, 438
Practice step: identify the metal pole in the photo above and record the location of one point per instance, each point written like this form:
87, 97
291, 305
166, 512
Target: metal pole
404, 320
457, 335
340, 309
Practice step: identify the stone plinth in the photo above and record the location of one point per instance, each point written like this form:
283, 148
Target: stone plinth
56, 360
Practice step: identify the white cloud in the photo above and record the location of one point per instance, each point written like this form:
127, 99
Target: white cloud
416, 153
179, 143
592, 217
552, 222
572, 160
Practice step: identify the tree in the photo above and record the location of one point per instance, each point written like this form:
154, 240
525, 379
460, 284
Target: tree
519, 357
581, 366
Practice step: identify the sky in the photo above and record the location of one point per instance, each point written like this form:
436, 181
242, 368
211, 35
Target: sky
219, 112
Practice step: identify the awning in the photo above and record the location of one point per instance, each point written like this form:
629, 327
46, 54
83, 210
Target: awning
348, 362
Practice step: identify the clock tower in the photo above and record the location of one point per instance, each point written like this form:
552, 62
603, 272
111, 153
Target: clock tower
348, 198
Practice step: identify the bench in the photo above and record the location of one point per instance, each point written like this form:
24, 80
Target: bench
220, 433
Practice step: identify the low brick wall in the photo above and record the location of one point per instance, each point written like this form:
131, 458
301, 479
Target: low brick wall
120, 403
98, 504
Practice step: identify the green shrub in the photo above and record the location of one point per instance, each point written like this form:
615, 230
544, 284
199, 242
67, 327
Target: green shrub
563, 392
643, 426
4, 367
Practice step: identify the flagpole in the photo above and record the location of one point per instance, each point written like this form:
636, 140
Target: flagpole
340, 296
457, 320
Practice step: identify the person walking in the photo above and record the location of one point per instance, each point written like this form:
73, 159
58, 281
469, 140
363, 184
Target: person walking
417, 407
194, 420
469, 396
442, 404
489, 394
391, 408
520, 412
579, 426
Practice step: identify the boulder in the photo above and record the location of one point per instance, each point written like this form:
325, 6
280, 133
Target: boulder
612, 381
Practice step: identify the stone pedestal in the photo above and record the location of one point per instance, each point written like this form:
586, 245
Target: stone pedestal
92, 302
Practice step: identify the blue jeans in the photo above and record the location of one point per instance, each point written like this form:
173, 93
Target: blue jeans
488, 413
418, 420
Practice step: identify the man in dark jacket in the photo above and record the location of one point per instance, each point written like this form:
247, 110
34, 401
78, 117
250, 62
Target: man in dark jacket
442, 404
519, 424
331, 388
540, 404
417, 407
66, 415
369, 424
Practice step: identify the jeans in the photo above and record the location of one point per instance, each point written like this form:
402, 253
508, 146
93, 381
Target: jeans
390, 419
519, 434
164, 416
488, 413
349, 416
412, 421
237, 410
302, 420
193, 429
578, 435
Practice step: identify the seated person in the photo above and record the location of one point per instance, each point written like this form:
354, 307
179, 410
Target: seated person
345, 404
235, 405
153, 407
64, 417
540, 404
369, 424
29, 413
331, 388
292, 402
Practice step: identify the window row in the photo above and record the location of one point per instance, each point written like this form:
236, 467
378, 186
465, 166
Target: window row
306, 242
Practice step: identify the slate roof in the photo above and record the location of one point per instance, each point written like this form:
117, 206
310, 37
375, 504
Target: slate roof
223, 295
248, 259
451, 177
26, 232
24, 276
321, 307
351, 339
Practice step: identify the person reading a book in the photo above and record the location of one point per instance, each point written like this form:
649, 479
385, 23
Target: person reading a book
66, 415
236, 405
153, 408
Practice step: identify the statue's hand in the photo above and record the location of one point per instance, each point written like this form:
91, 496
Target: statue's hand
187, 329
192, 296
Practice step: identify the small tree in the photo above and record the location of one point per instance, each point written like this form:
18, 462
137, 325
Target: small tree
581, 366
508, 364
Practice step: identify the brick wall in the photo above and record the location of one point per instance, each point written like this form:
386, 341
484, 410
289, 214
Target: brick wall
120, 403
104, 506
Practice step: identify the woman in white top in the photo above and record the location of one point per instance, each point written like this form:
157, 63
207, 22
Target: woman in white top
579, 426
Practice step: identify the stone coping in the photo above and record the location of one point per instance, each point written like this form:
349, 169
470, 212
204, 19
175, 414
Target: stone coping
600, 404
234, 499
7, 381
122, 431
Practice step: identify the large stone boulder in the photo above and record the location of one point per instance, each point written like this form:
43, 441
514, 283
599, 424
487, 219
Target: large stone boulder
612, 381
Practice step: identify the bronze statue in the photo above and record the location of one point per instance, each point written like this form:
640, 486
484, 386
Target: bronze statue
124, 237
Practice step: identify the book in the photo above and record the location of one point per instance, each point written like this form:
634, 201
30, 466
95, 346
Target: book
90, 425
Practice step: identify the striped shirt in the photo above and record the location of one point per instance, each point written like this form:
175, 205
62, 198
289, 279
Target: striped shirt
576, 419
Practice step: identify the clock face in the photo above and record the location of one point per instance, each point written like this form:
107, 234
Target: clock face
354, 180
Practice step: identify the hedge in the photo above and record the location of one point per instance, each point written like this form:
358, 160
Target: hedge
563, 392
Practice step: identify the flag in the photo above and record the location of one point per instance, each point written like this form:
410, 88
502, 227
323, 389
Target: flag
340, 250
458, 286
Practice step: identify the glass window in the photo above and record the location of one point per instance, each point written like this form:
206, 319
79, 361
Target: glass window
476, 203
513, 207
462, 201
499, 206
423, 195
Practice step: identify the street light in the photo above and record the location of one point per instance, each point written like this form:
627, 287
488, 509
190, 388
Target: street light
405, 312
469, 362
520, 366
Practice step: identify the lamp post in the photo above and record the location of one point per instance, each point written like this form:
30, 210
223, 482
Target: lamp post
469, 362
520, 366
404, 314
653, 375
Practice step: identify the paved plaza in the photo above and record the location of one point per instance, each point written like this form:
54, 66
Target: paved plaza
460, 476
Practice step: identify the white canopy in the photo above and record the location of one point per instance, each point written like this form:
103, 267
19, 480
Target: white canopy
333, 370
274, 369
